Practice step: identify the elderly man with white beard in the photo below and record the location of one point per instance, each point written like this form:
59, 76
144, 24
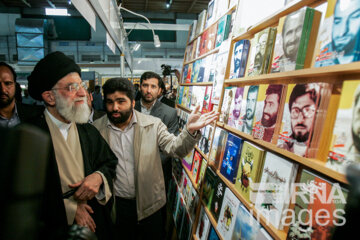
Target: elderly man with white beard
81, 166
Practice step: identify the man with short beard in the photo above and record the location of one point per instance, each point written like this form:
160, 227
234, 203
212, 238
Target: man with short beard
11, 111
136, 140
251, 100
81, 165
265, 128
302, 107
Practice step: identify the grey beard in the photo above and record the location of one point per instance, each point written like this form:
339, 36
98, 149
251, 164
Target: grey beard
71, 112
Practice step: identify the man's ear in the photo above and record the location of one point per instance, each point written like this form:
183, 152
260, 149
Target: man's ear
49, 97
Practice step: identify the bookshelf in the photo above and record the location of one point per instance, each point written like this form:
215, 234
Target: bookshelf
335, 75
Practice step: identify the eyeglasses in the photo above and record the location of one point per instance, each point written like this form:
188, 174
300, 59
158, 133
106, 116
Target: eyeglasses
307, 112
73, 87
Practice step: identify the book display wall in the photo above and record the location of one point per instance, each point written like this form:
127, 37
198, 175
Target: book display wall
287, 90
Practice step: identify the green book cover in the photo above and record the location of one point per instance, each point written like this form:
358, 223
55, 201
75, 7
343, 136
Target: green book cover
209, 186
250, 169
309, 14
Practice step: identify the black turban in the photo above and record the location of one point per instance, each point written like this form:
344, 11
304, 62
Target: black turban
48, 71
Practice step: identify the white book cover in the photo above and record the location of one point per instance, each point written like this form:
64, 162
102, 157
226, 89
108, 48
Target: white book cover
221, 63
246, 226
204, 224
274, 190
227, 217
197, 97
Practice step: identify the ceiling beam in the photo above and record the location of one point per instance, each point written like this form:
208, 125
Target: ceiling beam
157, 26
192, 5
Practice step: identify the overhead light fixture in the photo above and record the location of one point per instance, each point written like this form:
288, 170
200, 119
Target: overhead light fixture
168, 3
156, 37
69, 2
56, 11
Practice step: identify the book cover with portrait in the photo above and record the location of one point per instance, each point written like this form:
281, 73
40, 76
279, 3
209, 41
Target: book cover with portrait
275, 188
229, 164
228, 101
269, 107
339, 38
257, 53
250, 169
345, 143
316, 197
235, 107
227, 217
299, 115
248, 109
295, 40
239, 58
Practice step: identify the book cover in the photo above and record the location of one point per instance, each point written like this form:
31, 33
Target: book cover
269, 50
223, 29
201, 22
247, 112
275, 188
195, 71
203, 41
218, 197
184, 75
203, 227
239, 58
246, 226
287, 48
300, 111
221, 60
196, 165
193, 203
192, 30
228, 98
207, 106
211, 37
209, 186
197, 96
258, 49
316, 197
212, 234
345, 144
200, 77
268, 106
339, 38
250, 169
227, 218
189, 73
188, 160
235, 108
211, 12
190, 97
230, 160
202, 172
180, 95
218, 147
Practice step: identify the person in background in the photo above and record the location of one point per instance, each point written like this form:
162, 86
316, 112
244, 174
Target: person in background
137, 139
95, 114
148, 104
162, 95
12, 112
97, 99
81, 166
27, 99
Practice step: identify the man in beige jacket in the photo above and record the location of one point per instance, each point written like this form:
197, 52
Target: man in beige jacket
136, 139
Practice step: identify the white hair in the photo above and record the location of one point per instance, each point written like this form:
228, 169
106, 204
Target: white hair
70, 111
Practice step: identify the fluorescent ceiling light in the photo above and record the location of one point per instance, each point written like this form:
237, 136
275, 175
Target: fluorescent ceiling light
56, 11
137, 46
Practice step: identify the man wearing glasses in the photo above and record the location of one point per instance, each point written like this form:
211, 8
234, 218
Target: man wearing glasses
302, 107
81, 165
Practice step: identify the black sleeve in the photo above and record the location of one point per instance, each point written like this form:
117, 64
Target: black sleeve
98, 153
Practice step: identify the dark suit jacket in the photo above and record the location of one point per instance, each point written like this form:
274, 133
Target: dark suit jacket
97, 156
168, 102
27, 112
167, 115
